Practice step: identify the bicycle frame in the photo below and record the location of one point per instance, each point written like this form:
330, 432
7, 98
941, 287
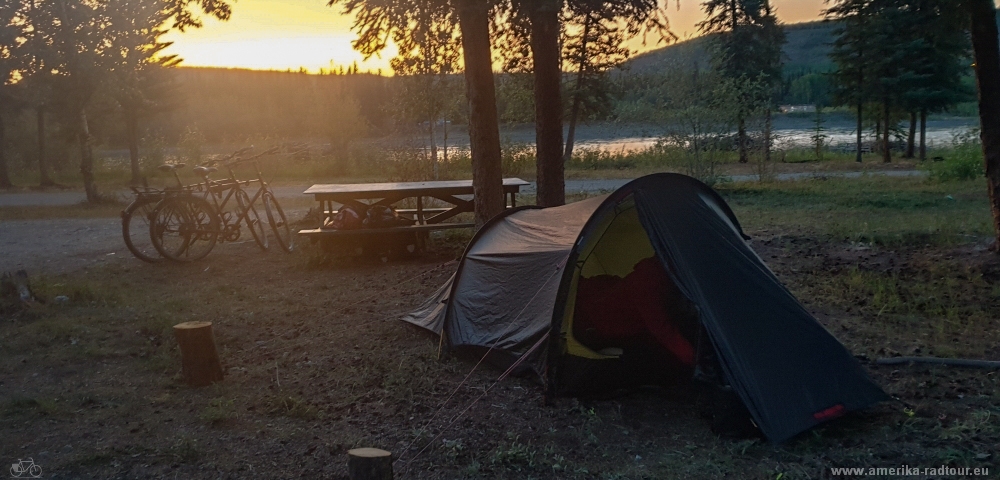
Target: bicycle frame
264, 187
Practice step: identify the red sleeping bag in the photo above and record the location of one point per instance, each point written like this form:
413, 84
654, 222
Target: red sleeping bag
615, 311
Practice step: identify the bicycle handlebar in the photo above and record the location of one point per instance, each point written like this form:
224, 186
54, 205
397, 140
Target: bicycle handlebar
238, 161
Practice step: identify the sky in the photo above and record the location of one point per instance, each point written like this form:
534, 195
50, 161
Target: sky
293, 34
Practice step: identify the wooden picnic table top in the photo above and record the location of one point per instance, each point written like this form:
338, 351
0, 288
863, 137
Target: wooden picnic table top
445, 187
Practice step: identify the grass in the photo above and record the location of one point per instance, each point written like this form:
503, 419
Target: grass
372, 163
874, 210
317, 363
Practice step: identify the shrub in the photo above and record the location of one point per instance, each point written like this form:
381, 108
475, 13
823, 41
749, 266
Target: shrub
514, 157
963, 162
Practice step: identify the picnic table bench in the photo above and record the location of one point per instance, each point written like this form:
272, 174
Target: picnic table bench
361, 196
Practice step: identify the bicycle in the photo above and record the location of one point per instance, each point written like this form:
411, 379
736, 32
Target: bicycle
25, 468
186, 227
275, 214
136, 217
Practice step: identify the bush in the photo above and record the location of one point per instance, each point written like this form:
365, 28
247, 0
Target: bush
963, 162
514, 157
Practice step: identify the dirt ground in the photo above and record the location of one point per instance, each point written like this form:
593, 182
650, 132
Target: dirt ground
317, 362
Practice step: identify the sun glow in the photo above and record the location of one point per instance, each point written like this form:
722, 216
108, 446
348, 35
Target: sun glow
294, 34
276, 35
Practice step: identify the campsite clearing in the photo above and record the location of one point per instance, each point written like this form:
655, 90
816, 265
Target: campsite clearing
318, 363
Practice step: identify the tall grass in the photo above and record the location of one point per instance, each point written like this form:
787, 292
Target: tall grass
411, 161
963, 161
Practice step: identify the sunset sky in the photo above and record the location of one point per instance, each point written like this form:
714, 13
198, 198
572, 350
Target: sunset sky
288, 34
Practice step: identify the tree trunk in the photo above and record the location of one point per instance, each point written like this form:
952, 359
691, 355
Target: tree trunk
860, 126
199, 358
4, 173
43, 170
987, 55
548, 103
444, 143
87, 159
877, 146
574, 112
886, 151
132, 132
484, 126
741, 139
577, 95
369, 464
767, 137
923, 134
910, 147
434, 148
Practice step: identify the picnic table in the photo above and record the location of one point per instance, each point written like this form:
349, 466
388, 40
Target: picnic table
361, 196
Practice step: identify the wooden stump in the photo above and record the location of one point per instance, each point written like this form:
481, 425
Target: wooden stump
369, 464
199, 358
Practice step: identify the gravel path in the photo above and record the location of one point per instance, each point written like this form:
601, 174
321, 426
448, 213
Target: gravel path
64, 245
60, 245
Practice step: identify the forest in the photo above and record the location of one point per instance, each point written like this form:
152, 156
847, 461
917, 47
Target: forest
160, 105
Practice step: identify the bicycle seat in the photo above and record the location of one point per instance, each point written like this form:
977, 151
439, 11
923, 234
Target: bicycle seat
205, 171
169, 167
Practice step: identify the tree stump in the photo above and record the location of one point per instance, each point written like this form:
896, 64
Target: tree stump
199, 358
369, 464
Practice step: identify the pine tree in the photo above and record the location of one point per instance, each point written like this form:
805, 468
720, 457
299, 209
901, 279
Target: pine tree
987, 54
138, 82
428, 57
870, 53
593, 45
937, 58
534, 26
899, 54
851, 53
77, 44
819, 135
747, 49
11, 56
377, 21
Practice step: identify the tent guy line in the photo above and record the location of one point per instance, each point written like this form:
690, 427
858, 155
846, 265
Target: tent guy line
454, 419
339, 332
480, 362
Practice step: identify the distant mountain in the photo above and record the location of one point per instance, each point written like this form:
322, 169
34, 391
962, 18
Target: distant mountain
807, 49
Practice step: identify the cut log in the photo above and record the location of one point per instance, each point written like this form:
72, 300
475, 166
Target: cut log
369, 464
199, 358
955, 362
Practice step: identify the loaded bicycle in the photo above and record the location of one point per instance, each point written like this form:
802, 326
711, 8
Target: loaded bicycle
186, 225
183, 223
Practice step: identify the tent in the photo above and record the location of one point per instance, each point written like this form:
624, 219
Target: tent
531, 277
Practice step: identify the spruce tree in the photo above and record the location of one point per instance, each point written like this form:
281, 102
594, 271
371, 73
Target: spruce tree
11, 55
746, 49
851, 53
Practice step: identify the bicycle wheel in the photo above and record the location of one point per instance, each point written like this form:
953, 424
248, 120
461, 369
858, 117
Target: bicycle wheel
135, 228
185, 228
252, 219
279, 223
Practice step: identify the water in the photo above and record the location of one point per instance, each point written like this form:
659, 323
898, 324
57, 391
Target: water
784, 139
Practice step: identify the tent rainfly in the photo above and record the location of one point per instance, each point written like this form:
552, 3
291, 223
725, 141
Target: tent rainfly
653, 282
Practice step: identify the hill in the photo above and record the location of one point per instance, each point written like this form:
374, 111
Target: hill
806, 50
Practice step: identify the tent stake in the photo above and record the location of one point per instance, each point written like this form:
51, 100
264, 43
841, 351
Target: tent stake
441, 345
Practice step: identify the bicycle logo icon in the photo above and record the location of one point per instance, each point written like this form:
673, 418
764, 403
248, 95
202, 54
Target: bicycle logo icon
25, 469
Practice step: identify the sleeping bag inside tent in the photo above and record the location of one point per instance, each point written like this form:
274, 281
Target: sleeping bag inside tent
652, 284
